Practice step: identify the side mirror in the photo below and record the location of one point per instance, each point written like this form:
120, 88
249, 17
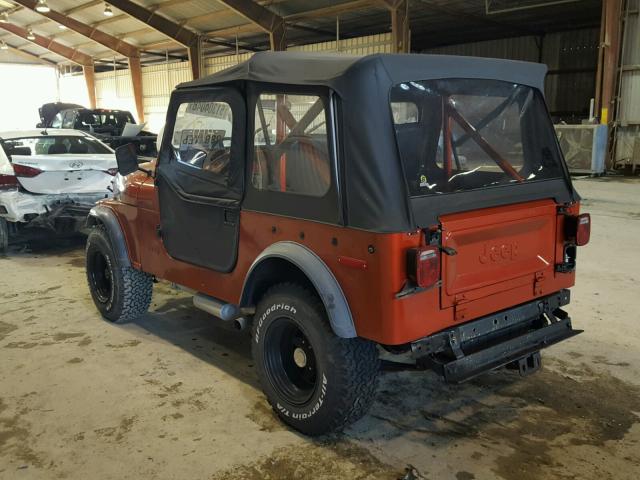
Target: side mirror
127, 159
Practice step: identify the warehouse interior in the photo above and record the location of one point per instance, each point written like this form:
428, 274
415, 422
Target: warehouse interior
174, 395
132, 55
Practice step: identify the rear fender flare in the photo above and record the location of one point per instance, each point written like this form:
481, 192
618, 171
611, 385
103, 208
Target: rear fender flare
101, 215
320, 276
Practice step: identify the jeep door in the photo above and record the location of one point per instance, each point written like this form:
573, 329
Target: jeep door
200, 177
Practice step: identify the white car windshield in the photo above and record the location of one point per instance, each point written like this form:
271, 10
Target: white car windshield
53, 145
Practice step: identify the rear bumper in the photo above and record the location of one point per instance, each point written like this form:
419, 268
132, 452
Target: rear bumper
43, 210
473, 348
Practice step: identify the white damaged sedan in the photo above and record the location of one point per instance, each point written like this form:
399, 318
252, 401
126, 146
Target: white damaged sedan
50, 180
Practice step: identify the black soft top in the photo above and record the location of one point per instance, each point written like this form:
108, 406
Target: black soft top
339, 71
376, 194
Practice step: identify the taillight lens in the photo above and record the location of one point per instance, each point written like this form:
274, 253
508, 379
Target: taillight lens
423, 265
8, 181
583, 229
578, 228
24, 171
112, 171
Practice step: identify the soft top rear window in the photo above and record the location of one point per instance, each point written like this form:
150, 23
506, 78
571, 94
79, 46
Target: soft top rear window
468, 134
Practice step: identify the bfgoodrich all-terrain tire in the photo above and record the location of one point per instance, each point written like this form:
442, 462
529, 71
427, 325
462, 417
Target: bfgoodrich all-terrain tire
121, 293
315, 381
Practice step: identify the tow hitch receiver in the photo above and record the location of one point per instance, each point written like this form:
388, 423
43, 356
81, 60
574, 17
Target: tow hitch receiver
527, 365
511, 338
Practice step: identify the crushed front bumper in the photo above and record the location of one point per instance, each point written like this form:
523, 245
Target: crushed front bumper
500, 339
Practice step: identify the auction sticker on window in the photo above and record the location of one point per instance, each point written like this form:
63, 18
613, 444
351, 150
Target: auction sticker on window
204, 138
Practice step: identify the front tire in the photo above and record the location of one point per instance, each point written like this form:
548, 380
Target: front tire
121, 293
4, 236
315, 381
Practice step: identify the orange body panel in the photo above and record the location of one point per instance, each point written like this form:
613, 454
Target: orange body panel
472, 286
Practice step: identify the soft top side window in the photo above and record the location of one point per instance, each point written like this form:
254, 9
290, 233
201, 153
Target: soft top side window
291, 145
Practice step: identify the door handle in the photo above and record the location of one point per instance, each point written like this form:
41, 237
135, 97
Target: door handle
230, 217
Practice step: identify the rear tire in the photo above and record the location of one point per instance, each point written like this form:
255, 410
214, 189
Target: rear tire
121, 293
4, 236
315, 381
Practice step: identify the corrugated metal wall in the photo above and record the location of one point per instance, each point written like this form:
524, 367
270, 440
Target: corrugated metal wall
628, 131
114, 90
571, 57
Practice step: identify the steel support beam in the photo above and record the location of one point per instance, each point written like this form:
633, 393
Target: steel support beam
48, 44
98, 36
135, 70
90, 79
264, 18
167, 27
400, 34
611, 25
31, 56
195, 59
333, 10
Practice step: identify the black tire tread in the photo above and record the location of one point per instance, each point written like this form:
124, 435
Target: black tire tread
359, 364
138, 288
137, 285
4, 236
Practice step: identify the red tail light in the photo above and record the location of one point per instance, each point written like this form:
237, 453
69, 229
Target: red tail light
578, 229
583, 229
423, 265
8, 181
24, 171
112, 171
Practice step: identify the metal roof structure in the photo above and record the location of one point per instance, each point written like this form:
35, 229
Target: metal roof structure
154, 29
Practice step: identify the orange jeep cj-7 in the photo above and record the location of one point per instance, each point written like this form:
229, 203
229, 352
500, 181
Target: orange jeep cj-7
337, 205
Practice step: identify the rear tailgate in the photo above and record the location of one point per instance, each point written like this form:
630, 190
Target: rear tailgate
66, 173
496, 250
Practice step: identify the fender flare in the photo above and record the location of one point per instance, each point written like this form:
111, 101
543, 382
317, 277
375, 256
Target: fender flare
105, 216
319, 275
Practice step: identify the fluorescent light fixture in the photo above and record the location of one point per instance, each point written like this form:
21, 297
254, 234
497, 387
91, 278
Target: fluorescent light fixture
4, 46
107, 10
62, 27
4, 17
42, 7
30, 35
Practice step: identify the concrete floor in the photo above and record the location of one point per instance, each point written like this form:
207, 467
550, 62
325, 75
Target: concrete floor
174, 395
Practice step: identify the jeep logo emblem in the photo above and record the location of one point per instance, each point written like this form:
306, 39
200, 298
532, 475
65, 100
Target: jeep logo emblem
498, 253
76, 164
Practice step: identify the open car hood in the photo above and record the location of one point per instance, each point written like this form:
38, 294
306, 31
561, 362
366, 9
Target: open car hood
48, 111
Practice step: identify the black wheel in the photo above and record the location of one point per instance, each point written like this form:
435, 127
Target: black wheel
4, 236
121, 293
315, 381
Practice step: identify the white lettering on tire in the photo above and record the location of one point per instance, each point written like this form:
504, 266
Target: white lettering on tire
310, 413
276, 306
